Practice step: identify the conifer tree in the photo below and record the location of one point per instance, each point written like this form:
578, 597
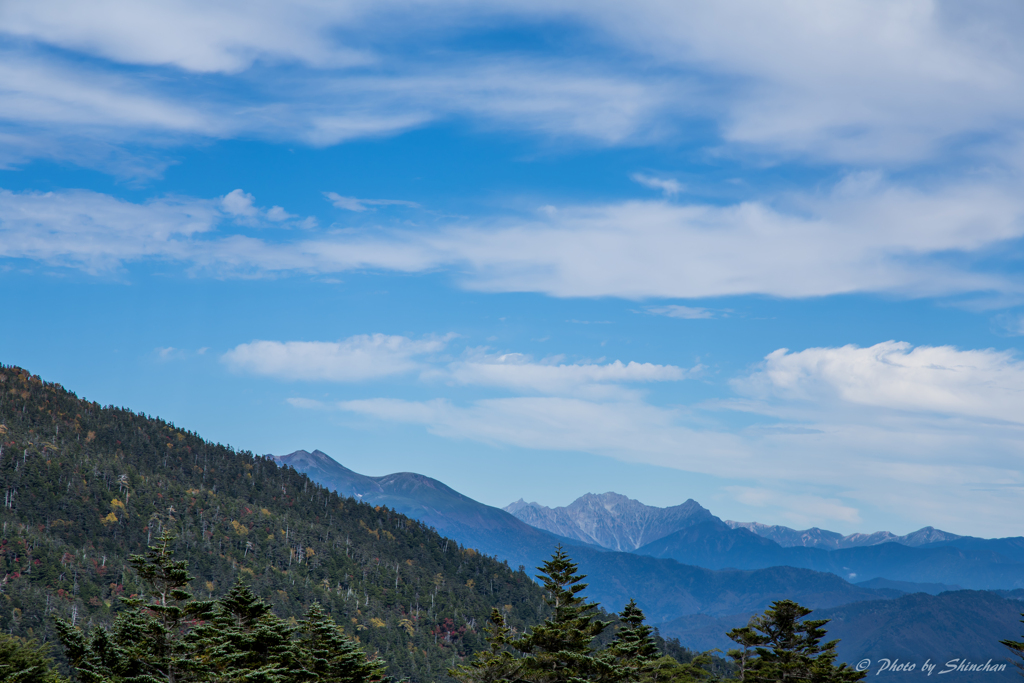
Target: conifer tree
499, 663
780, 647
244, 641
148, 643
633, 649
329, 655
25, 661
558, 650
1017, 647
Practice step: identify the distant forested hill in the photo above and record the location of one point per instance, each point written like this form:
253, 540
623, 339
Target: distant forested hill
84, 486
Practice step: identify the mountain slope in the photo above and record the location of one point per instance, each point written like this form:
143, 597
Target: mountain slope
474, 525
85, 486
917, 627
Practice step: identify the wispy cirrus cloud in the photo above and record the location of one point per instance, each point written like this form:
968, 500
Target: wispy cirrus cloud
520, 373
865, 235
67, 108
359, 205
355, 359
363, 357
669, 186
98, 233
683, 312
847, 83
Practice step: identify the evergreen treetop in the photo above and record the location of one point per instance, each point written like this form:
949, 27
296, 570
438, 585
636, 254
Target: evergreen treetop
561, 649
780, 646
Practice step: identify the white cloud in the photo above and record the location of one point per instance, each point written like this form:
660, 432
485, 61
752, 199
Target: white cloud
847, 82
355, 359
74, 109
670, 186
863, 236
980, 385
196, 36
98, 233
278, 215
519, 373
41, 91
354, 204
915, 471
239, 203
683, 312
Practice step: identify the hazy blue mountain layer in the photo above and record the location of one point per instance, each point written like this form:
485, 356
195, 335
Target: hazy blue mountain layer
690, 534
912, 628
716, 546
664, 588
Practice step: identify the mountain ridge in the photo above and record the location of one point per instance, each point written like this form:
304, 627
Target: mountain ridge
831, 540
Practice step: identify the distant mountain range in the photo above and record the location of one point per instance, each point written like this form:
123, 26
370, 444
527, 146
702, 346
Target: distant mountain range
830, 540
614, 521
690, 534
664, 588
696, 576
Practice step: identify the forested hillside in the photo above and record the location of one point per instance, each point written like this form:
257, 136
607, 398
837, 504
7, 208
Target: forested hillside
84, 486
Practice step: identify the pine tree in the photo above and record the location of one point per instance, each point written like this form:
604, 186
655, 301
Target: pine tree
244, 641
148, 643
558, 650
329, 655
633, 649
780, 647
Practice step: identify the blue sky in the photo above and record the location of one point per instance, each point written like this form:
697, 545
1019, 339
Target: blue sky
766, 256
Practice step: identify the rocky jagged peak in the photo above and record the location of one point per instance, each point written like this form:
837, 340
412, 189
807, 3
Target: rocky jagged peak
611, 520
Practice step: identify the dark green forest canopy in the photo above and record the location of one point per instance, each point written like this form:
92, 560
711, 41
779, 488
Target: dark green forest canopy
85, 486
